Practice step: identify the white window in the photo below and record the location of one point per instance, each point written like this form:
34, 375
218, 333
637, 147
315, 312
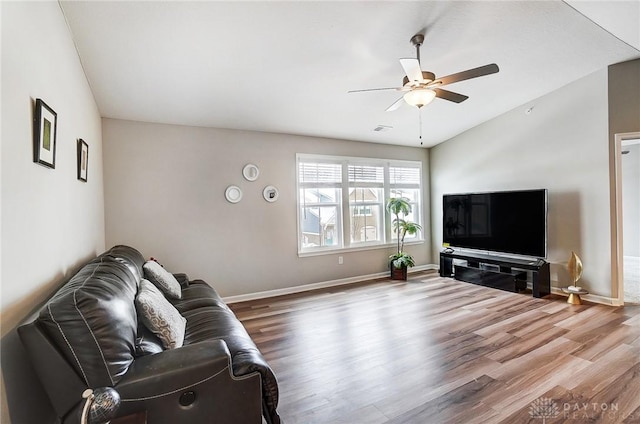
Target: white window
405, 182
341, 201
366, 203
320, 205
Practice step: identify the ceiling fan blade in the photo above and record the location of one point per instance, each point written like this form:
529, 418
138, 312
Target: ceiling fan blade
395, 104
450, 95
377, 89
411, 67
468, 74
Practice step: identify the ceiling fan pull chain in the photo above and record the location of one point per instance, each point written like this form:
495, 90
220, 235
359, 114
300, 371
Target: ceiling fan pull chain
420, 119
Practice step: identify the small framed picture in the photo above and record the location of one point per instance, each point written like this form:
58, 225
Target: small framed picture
270, 194
251, 172
44, 134
83, 160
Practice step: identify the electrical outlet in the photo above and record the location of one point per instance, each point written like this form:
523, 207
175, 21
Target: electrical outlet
340, 260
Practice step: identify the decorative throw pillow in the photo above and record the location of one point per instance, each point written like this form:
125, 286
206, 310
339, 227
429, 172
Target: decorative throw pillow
160, 316
163, 279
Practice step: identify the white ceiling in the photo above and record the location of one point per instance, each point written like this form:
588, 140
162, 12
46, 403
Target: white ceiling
286, 67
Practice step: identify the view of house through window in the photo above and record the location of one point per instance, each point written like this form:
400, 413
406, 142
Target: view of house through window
366, 203
341, 201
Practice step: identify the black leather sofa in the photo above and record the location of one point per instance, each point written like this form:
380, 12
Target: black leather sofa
88, 335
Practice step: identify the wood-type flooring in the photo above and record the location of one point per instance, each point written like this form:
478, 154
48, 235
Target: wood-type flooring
434, 350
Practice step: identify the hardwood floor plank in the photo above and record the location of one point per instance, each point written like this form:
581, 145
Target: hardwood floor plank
586, 315
542, 356
525, 345
623, 392
455, 406
605, 370
633, 417
513, 323
529, 386
410, 393
603, 342
435, 350
531, 328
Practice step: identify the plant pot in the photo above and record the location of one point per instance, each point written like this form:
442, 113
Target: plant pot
398, 273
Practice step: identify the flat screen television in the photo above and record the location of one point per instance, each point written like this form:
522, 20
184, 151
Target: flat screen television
504, 221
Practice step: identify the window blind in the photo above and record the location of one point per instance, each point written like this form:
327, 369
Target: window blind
366, 174
404, 175
319, 173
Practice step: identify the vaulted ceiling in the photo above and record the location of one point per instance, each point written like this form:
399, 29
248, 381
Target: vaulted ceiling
287, 67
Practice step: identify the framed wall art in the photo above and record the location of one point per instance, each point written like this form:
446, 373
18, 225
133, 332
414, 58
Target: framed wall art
233, 194
83, 160
251, 172
270, 194
44, 134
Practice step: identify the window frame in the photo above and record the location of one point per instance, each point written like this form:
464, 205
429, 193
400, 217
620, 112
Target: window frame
344, 207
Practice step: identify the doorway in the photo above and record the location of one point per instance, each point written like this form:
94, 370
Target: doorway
627, 206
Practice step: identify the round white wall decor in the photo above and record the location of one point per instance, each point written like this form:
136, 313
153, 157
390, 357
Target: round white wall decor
233, 194
270, 194
251, 172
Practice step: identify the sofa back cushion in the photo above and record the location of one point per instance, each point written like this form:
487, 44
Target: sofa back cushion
129, 257
92, 318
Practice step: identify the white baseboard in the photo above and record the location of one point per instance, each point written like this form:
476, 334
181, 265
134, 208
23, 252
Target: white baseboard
357, 279
595, 298
316, 286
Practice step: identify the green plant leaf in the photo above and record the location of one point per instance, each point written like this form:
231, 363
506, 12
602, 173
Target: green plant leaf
401, 206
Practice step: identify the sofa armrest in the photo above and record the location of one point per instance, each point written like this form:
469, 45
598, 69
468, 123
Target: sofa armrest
153, 375
63, 386
190, 384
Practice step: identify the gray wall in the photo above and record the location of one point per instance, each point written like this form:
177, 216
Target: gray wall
50, 221
624, 117
624, 98
164, 194
561, 146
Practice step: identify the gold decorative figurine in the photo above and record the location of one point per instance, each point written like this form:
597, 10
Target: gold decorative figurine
575, 268
575, 272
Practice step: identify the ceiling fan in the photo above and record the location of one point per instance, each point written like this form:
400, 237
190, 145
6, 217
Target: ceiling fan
421, 87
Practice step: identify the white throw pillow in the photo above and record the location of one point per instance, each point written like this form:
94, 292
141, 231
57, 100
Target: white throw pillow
160, 316
163, 279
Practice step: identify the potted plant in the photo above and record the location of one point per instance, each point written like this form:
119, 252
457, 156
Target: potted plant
400, 261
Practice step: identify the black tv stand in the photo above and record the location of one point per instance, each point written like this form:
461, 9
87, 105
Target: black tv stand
497, 271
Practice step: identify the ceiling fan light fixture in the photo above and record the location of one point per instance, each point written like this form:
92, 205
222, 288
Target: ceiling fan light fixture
419, 97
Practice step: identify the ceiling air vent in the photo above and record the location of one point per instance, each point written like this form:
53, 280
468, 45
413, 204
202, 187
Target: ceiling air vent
382, 128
